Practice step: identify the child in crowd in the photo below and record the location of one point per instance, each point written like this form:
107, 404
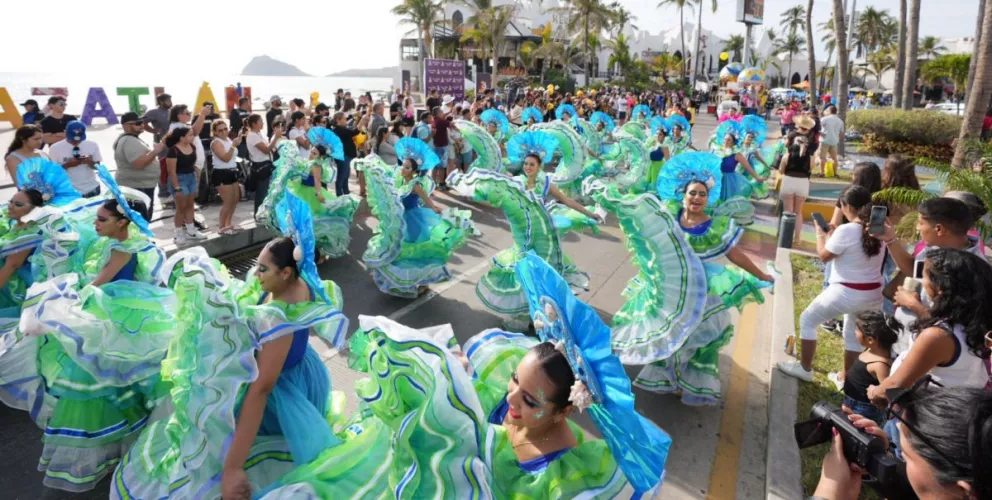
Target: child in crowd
876, 333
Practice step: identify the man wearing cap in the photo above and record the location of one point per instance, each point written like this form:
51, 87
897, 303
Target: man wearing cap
32, 115
53, 125
275, 110
79, 157
137, 167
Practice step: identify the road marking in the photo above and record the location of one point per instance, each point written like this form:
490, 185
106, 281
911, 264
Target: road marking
723, 475
434, 292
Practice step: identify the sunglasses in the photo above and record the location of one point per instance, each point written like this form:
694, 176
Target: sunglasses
802, 129
897, 410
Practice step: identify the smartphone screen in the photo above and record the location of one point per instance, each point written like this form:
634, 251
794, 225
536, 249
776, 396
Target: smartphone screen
812, 433
918, 270
820, 221
876, 224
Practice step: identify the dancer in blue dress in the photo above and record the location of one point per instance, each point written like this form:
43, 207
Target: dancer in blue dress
729, 136
414, 238
531, 116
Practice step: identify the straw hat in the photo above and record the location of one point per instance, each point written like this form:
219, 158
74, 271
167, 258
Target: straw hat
804, 121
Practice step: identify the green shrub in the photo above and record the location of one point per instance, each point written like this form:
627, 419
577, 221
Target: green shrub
921, 128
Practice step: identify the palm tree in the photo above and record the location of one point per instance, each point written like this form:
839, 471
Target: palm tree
681, 5
977, 49
930, 47
622, 18
734, 45
951, 66
790, 45
912, 35
840, 37
980, 91
873, 30
422, 15
810, 54
794, 19
900, 56
620, 59
590, 17
666, 64
830, 45
549, 51
878, 64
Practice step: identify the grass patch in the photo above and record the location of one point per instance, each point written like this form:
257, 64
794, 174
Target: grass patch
807, 276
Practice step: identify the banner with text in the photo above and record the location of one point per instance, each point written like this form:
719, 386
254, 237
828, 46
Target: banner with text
446, 76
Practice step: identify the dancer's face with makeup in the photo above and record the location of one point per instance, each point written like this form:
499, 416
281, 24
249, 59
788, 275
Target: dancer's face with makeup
531, 166
529, 393
696, 197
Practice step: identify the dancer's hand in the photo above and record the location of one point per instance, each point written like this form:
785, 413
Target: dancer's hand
234, 485
320, 197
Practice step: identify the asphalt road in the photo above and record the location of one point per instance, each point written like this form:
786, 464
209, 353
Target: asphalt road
718, 452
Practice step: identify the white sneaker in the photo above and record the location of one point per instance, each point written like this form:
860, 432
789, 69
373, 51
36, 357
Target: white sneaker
795, 369
835, 378
180, 238
195, 235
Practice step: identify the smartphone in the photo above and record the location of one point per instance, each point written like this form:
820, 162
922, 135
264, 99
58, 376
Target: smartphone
876, 223
918, 269
820, 221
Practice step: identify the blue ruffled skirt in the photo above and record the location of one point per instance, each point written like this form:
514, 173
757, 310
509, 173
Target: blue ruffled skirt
419, 222
298, 408
734, 184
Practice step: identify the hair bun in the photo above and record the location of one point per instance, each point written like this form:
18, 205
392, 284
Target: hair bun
298, 253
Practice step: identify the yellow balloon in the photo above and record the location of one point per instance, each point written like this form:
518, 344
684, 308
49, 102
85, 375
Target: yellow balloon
724, 56
314, 99
551, 88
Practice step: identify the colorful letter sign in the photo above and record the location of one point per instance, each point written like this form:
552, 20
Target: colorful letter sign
98, 106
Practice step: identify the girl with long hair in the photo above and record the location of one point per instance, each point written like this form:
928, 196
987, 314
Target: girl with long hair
26, 145
180, 163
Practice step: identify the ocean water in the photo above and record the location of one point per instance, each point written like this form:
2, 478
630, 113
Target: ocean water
184, 87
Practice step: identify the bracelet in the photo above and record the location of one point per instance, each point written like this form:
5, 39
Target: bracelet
889, 242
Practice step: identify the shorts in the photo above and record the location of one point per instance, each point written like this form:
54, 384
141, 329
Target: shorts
622, 115
466, 158
442, 154
224, 176
187, 185
796, 186
830, 149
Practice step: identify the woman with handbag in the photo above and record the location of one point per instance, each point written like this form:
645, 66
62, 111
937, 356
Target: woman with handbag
260, 153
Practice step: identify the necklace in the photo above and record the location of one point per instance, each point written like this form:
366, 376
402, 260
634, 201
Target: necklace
545, 438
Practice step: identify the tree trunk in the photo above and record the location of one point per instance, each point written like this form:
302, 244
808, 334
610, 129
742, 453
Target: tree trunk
840, 35
912, 46
588, 58
811, 54
978, 41
422, 78
682, 35
788, 77
979, 93
900, 58
695, 50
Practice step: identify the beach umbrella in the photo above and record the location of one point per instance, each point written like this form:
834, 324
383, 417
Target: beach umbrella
751, 76
729, 72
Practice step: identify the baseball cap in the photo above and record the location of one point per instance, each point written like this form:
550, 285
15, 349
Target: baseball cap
30, 102
131, 117
75, 131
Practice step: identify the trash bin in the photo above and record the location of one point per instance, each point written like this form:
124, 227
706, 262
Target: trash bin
711, 109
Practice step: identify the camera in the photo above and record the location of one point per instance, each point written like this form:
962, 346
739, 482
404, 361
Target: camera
888, 474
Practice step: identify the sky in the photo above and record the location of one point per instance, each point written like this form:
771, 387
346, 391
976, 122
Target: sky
318, 36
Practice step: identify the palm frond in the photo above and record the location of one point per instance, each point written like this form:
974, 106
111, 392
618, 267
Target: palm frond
903, 196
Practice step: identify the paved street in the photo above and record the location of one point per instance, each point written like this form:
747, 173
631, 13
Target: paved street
718, 452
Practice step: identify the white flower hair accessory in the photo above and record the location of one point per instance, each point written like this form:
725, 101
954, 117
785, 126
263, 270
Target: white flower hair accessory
580, 396
298, 253
710, 182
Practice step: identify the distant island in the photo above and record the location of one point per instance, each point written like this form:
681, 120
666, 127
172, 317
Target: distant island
388, 72
267, 66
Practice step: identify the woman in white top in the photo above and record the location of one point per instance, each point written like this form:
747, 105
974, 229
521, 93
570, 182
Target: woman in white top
298, 133
225, 174
855, 283
952, 342
260, 153
25, 146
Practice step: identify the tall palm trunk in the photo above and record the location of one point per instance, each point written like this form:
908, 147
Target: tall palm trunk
900, 58
811, 54
978, 41
788, 78
980, 92
588, 57
682, 35
912, 46
695, 51
422, 77
840, 36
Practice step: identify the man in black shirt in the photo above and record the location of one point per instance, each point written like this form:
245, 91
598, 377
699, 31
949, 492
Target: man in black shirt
347, 136
433, 101
239, 117
53, 125
394, 110
338, 99
274, 111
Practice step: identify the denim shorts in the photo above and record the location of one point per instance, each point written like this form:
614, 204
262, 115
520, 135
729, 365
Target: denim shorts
866, 410
442, 154
187, 184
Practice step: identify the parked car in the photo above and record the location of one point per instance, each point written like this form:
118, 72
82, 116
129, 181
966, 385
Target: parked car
950, 108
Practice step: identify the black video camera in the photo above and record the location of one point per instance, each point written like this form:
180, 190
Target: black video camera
888, 474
